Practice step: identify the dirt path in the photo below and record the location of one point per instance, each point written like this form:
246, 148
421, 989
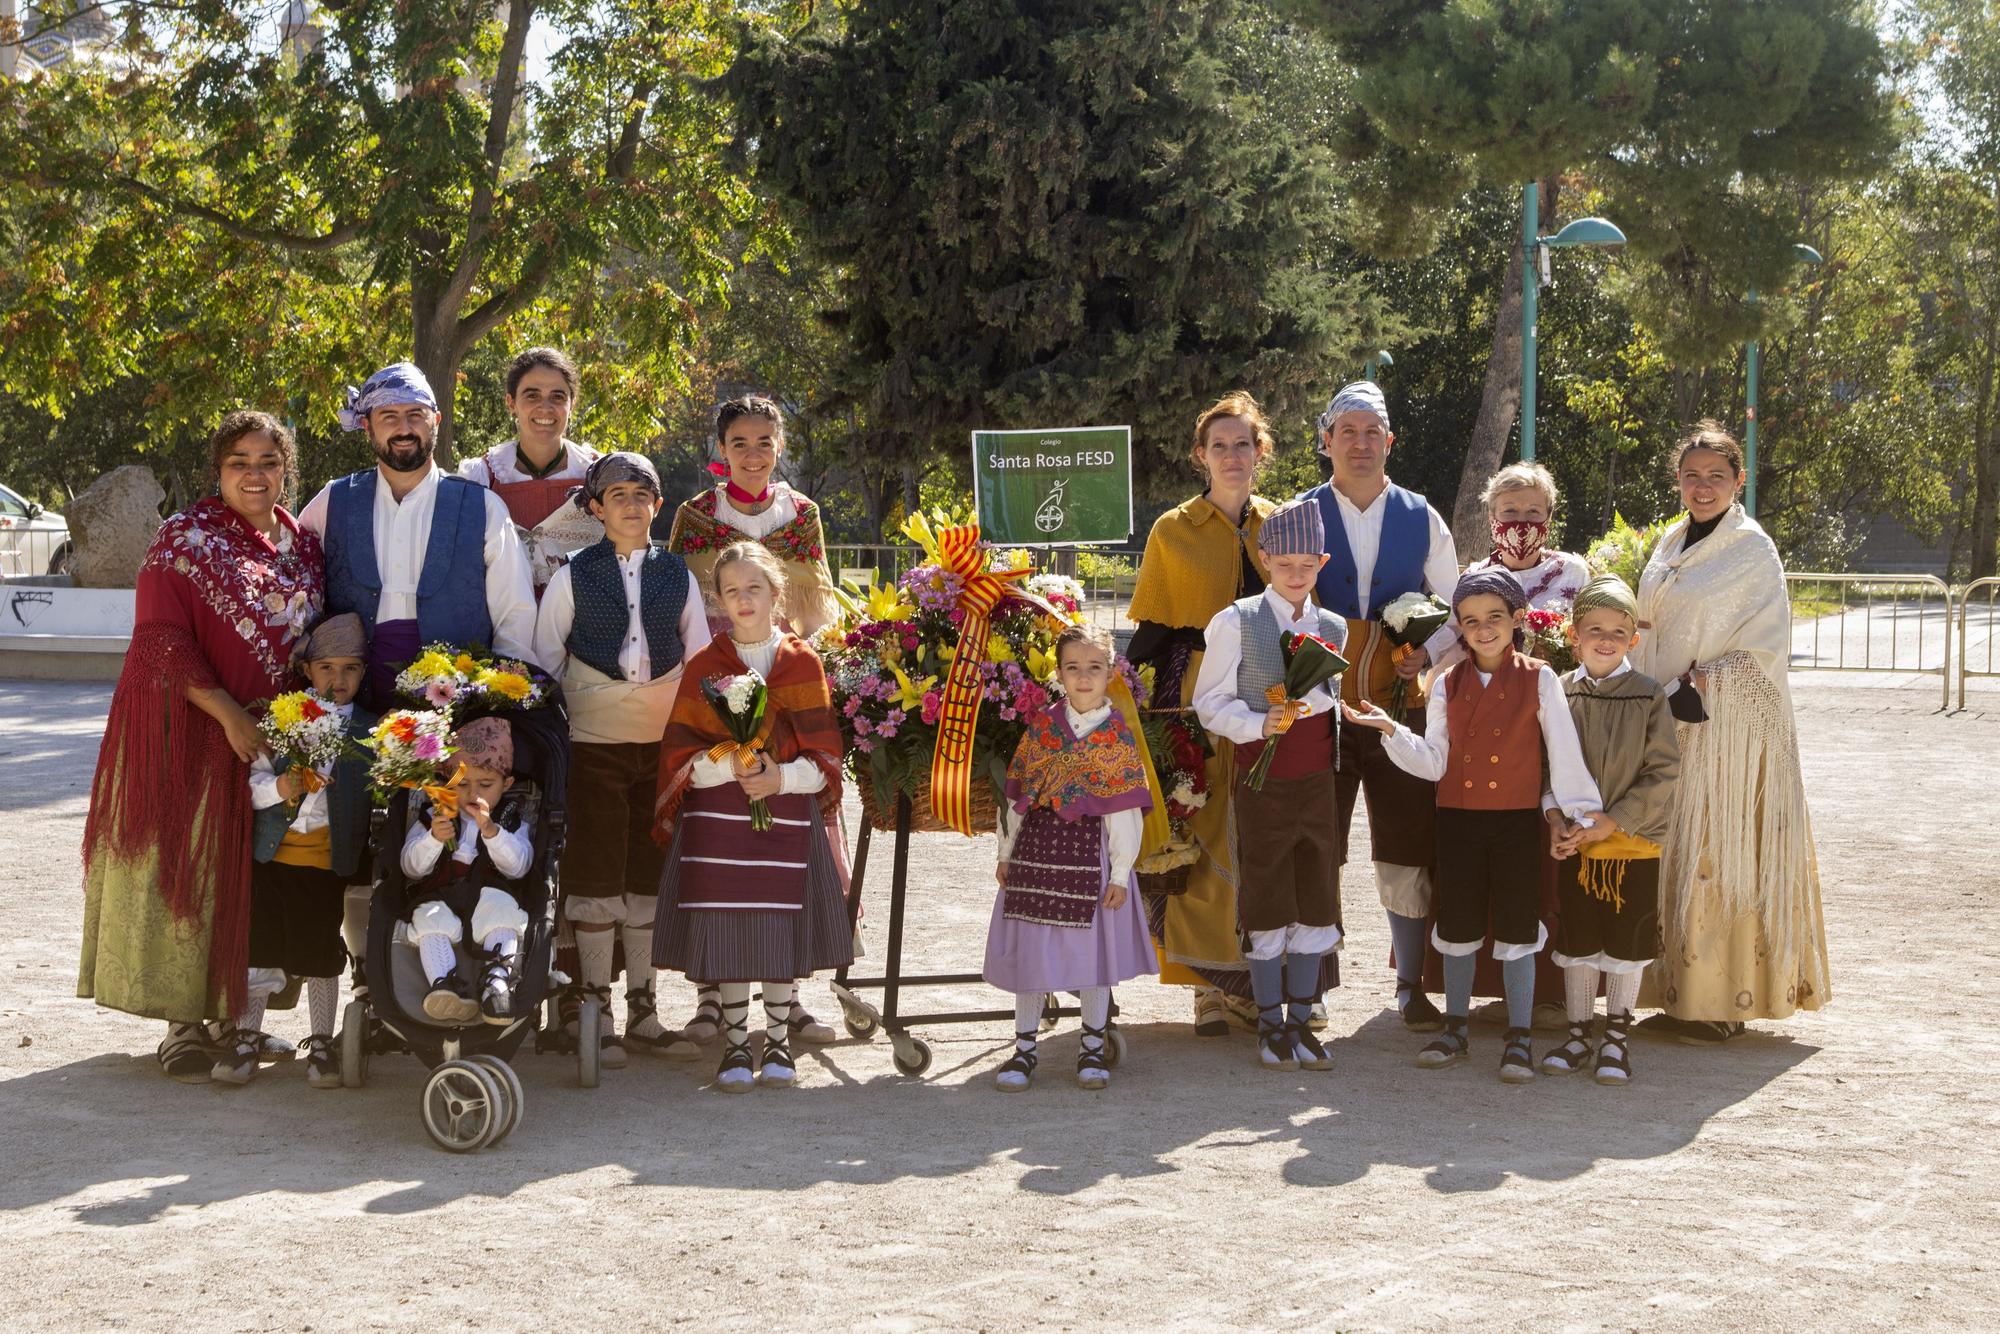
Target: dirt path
1836, 1168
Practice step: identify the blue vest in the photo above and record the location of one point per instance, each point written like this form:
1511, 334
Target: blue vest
1263, 663
597, 586
347, 807
1399, 565
451, 590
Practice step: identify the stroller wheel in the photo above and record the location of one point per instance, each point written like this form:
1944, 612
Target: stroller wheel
912, 1056
505, 1074
462, 1106
354, 1045
589, 1026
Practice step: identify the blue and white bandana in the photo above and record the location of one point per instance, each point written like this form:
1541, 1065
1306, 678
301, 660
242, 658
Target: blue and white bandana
400, 383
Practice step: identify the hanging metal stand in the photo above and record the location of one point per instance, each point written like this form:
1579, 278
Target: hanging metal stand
912, 1055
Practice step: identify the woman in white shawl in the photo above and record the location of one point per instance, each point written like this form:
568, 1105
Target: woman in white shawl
1742, 935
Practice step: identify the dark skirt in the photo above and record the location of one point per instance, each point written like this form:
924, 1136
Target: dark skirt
756, 945
295, 916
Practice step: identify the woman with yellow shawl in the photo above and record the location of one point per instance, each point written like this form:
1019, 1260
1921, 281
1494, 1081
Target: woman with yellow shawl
1199, 559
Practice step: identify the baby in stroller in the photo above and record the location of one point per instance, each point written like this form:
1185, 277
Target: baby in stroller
465, 874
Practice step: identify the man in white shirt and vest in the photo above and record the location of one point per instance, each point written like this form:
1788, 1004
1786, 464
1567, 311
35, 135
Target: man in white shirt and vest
1383, 541
420, 556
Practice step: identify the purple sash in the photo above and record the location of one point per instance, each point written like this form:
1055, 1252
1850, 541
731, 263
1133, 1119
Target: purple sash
392, 647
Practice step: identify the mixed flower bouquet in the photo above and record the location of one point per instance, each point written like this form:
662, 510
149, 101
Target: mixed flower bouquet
306, 731
741, 702
413, 750
466, 683
1310, 662
1180, 749
888, 664
1408, 622
1547, 633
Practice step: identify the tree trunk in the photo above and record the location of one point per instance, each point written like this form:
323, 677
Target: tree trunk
1499, 404
1986, 458
438, 353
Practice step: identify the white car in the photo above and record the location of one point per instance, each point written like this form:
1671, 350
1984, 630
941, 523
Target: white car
32, 540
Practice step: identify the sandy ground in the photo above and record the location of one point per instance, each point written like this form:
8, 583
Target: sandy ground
1838, 1168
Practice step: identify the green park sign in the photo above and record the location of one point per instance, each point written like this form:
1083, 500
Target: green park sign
1060, 487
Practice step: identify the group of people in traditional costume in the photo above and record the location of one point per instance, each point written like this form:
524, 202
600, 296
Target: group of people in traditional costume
1640, 817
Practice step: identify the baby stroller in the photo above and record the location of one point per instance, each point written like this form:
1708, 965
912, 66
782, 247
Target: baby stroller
472, 1099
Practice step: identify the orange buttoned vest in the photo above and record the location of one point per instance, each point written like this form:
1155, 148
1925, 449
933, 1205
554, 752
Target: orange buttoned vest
1496, 737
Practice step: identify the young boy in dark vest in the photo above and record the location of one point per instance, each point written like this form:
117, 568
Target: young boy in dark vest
615, 625
307, 840
1287, 859
1493, 720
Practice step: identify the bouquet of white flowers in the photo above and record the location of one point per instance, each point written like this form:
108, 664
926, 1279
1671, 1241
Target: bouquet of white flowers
741, 703
1409, 621
305, 729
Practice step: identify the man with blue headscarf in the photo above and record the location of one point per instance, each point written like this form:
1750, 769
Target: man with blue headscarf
420, 556
1382, 542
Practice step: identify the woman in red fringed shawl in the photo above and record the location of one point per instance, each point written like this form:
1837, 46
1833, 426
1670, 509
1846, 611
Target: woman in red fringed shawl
226, 588
739, 905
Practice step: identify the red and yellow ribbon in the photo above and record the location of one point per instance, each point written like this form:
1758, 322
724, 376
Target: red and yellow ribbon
958, 551
746, 754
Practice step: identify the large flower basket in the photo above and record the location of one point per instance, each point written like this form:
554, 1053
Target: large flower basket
881, 807
1167, 883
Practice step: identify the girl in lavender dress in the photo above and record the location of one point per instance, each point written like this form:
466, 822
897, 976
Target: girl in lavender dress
1068, 916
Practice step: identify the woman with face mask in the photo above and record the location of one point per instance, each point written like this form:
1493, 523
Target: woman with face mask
1520, 502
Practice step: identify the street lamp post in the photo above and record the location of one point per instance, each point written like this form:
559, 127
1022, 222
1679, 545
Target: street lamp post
1534, 254
1380, 357
1804, 254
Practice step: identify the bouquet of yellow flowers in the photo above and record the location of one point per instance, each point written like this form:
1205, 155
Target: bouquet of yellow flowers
306, 731
466, 683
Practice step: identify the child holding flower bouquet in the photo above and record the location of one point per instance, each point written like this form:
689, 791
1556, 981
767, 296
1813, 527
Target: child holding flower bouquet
310, 795
1287, 859
464, 855
1068, 916
738, 904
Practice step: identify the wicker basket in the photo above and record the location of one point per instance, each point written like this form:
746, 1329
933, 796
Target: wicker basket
881, 810
1166, 883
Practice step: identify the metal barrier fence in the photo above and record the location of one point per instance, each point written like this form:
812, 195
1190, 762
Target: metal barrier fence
1984, 628
1871, 623
26, 551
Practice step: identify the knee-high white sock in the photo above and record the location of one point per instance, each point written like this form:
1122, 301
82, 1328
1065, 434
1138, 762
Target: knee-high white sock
593, 957
1027, 1019
322, 1000
1096, 1006
1621, 992
639, 976
504, 943
1580, 991
778, 998
252, 1014
439, 959
735, 1013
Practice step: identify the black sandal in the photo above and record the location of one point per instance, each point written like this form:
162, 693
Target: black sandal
1021, 1063
1614, 1063
1419, 1015
322, 1064
1307, 1049
736, 1054
1517, 1058
236, 1057
1449, 1047
1274, 1046
777, 1069
186, 1054
1092, 1072
1570, 1057
496, 988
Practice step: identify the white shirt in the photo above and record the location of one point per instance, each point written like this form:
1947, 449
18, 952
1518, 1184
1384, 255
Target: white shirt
402, 532
501, 464
264, 792
1551, 582
1215, 701
1572, 787
800, 776
510, 849
784, 508
1124, 831
635, 660
1364, 540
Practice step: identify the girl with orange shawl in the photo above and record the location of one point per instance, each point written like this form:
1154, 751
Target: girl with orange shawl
740, 905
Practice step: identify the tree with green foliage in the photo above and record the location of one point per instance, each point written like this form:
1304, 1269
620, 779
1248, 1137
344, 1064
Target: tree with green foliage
1671, 114
237, 212
1055, 212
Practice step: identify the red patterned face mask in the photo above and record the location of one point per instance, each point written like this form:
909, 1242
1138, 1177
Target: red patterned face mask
1519, 540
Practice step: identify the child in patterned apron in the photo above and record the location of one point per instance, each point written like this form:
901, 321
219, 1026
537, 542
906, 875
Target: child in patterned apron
1068, 916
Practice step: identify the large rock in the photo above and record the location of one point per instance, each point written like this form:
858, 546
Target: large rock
112, 524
